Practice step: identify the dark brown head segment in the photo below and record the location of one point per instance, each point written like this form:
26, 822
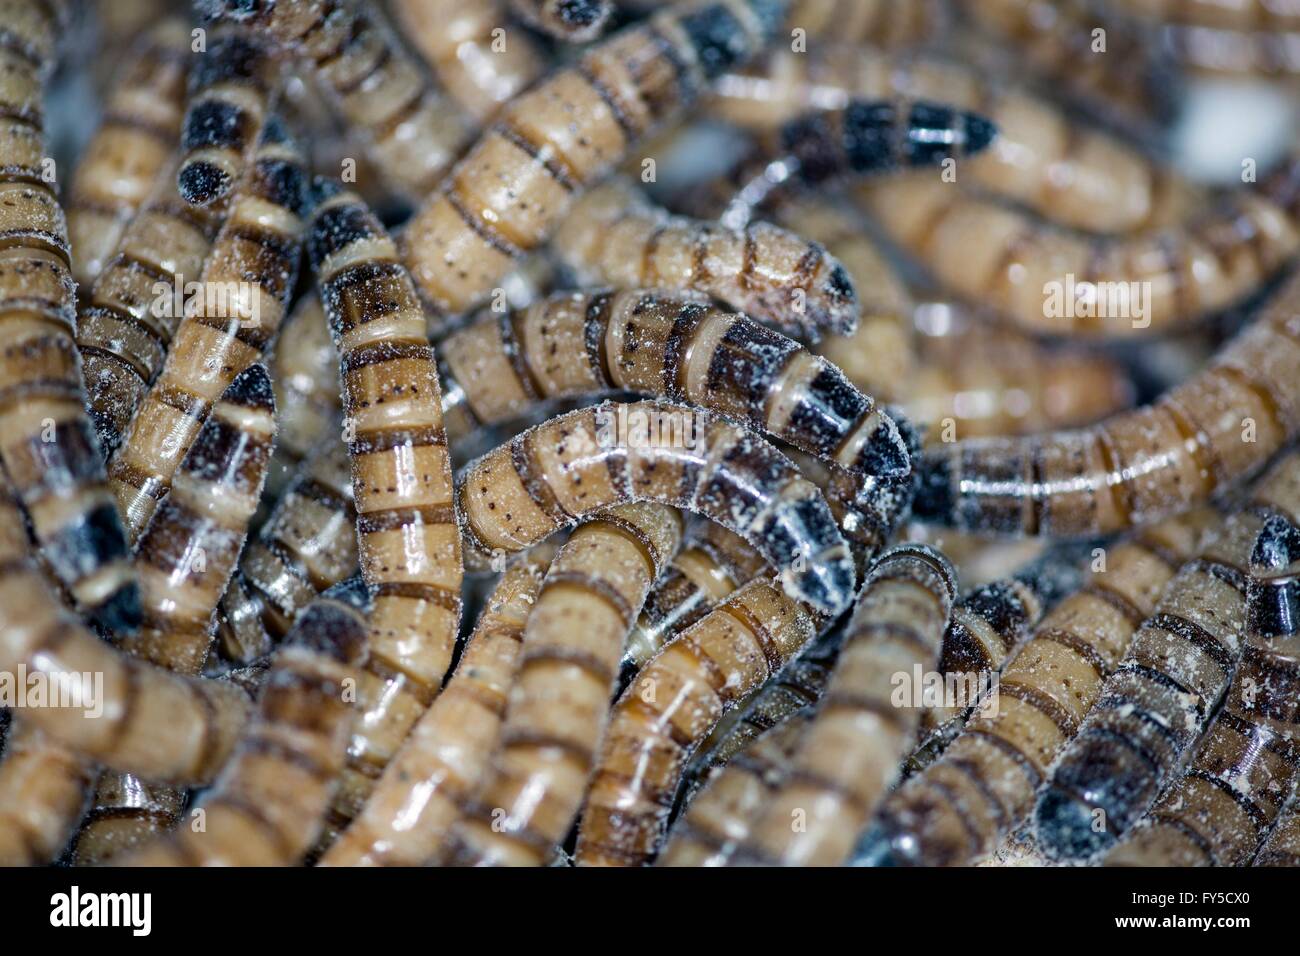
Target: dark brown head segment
336, 623
340, 219
1273, 591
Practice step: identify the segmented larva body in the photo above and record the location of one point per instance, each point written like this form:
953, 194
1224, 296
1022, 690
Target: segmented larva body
410, 549
1282, 848
266, 807
616, 236
1162, 694
379, 89
308, 544
1136, 467
559, 703
1266, 53
1041, 157
711, 564
478, 58
678, 346
125, 326
47, 443
447, 754
246, 283
565, 469
305, 374
129, 152
884, 23
188, 553
141, 719
1222, 807
231, 87
1048, 281
518, 181
1010, 384
719, 817
574, 21
42, 794
664, 715
1124, 81
851, 750
960, 807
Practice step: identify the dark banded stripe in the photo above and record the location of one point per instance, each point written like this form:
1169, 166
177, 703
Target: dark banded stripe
1248, 806
585, 661
1196, 635
315, 490
658, 724
480, 228
510, 348
977, 779
1006, 747
550, 160
1229, 574
531, 737
182, 400
1172, 821
633, 532
599, 587
1079, 646
1103, 592
595, 325
385, 350
1065, 722
762, 636
396, 680
630, 132
420, 591
377, 440
393, 519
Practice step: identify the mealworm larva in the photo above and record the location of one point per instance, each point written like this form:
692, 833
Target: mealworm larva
1042, 158
1200, 438
409, 545
245, 287
188, 553
559, 703
42, 794
574, 21
230, 92
122, 332
307, 545
663, 716
676, 346
47, 443
1160, 697
885, 23
711, 564
130, 150
266, 806
517, 182
412, 131
1226, 800
719, 817
1052, 282
961, 806
616, 236
862, 138
575, 464
851, 750
447, 754
1236, 14
305, 374
132, 716
1119, 78
478, 59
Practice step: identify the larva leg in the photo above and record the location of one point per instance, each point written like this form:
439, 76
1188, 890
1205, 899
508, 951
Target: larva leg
850, 753
1162, 694
1052, 282
122, 333
1066, 172
576, 464
1200, 439
230, 91
559, 703
481, 60
463, 239
409, 544
246, 283
47, 443
308, 544
680, 695
680, 348
719, 817
574, 21
1222, 807
615, 236
711, 564
413, 132
266, 807
143, 720
129, 152
960, 807
42, 794
447, 754
305, 375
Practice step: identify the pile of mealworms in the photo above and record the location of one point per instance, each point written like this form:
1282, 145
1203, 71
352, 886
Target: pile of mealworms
604, 432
